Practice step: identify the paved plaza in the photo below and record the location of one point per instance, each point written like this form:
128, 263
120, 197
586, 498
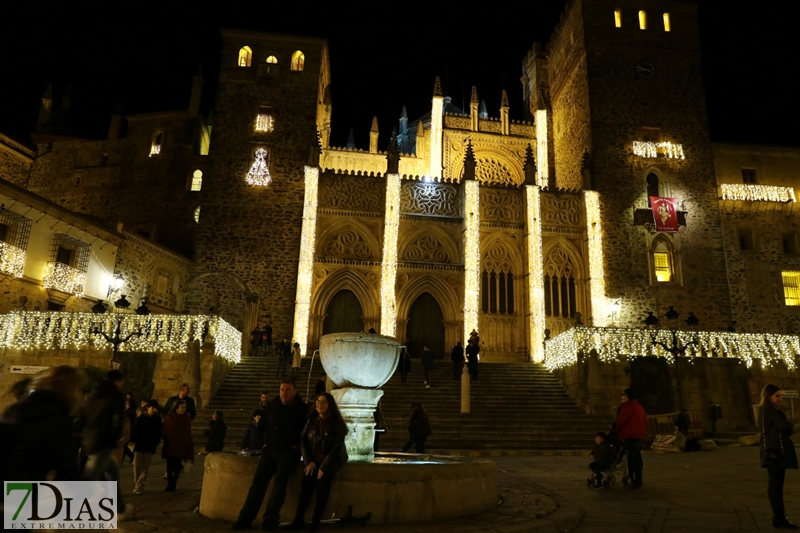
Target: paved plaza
720, 491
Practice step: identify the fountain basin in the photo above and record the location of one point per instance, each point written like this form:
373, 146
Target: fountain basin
363, 360
395, 488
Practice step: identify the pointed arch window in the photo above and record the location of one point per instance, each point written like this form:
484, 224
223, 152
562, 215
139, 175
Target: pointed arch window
245, 56
272, 60
497, 283
664, 260
298, 60
197, 180
155, 144
197, 214
562, 288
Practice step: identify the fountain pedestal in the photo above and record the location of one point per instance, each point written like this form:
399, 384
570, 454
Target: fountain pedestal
358, 407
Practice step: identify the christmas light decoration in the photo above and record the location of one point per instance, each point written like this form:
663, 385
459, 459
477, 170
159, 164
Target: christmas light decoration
651, 149
12, 259
472, 257
436, 137
64, 278
264, 123
756, 193
562, 351
541, 147
536, 277
597, 279
391, 226
258, 175
305, 267
53, 330
155, 149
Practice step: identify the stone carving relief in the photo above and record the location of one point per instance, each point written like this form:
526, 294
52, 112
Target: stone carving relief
559, 263
347, 245
352, 193
426, 249
496, 259
491, 170
431, 199
502, 205
562, 210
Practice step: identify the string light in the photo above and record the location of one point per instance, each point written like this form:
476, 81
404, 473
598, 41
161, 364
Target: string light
756, 193
435, 151
155, 149
264, 123
597, 280
472, 257
51, 330
305, 267
610, 343
389, 265
541, 147
651, 149
258, 174
536, 277
64, 278
12, 259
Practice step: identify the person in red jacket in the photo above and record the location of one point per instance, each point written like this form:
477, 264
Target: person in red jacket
632, 427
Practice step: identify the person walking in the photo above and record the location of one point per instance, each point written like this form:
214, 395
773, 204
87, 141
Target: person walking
284, 352
405, 362
631, 426
296, 360
147, 436
266, 338
457, 357
427, 364
178, 444
324, 453
777, 451
255, 341
418, 429
285, 419
473, 350
183, 394
216, 433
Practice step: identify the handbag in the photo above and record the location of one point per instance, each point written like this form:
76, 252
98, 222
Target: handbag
771, 456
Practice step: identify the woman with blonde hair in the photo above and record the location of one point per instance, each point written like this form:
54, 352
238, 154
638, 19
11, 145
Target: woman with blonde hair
777, 451
40, 444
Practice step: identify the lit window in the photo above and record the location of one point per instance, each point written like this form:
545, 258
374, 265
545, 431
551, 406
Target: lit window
264, 120
749, 176
618, 18
298, 60
197, 180
272, 60
245, 56
197, 214
663, 269
791, 287
667, 27
155, 146
642, 20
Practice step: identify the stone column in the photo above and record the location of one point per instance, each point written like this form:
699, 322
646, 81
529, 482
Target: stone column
465, 390
358, 407
192, 372
598, 399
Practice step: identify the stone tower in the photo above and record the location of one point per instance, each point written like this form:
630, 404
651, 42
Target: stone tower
625, 72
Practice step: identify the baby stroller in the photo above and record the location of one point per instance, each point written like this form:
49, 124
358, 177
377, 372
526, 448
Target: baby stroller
618, 468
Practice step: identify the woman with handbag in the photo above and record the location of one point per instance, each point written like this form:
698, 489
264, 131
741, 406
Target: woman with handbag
777, 451
178, 445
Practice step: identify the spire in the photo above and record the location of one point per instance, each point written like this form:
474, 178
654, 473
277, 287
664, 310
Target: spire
374, 124
46, 107
420, 128
404, 113
197, 90
393, 155
351, 139
504, 99
469, 162
373, 136
474, 98
530, 166
483, 113
403, 123
437, 87
473, 109
505, 122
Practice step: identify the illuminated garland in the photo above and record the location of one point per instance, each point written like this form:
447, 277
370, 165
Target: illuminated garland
597, 279
756, 193
265, 123
536, 277
541, 147
436, 137
155, 149
389, 265
305, 267
610, 343
12, 259
259, 171
64, 278
51, 330
472, 257
651, 149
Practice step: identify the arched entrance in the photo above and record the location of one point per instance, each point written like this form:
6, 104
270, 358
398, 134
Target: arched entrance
344, 314
426, 326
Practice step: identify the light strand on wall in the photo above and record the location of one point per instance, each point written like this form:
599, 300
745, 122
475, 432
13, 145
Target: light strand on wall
305, 267
756, 193
472, 257
264, 123
64, 278
389, 265
12, 259
610, 343
258, 174
651, 149
594, 231
51, 330
536, 274
541, 148
436, 137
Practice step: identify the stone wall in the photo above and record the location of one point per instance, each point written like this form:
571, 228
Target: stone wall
15, 161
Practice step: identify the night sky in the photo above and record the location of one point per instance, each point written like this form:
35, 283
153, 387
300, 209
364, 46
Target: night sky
381, 59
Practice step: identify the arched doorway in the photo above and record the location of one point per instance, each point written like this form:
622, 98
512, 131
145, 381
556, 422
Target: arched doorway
426, 326
344, 314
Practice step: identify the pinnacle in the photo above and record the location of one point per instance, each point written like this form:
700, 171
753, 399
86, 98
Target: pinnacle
504, 99
474, 98
374, 124
437, 87
404, 113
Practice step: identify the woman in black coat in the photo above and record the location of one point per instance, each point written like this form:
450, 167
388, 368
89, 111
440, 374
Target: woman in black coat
324, 453
777, 451
418, 429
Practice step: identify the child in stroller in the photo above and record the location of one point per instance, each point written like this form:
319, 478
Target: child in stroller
608, 459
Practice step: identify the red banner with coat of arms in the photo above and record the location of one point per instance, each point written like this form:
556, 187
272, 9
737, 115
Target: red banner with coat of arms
665, 214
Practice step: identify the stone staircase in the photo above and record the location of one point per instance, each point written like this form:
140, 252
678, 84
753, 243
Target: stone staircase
513, 407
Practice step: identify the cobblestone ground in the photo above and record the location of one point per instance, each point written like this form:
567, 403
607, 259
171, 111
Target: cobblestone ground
721, 491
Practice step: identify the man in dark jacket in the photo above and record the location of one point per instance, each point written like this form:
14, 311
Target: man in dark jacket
285, 418
146, 433
183, 394
632, 427
104, 417
457, 357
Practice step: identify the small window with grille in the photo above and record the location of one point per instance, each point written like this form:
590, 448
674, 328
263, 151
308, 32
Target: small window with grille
15, 231
791, 287
69, 261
